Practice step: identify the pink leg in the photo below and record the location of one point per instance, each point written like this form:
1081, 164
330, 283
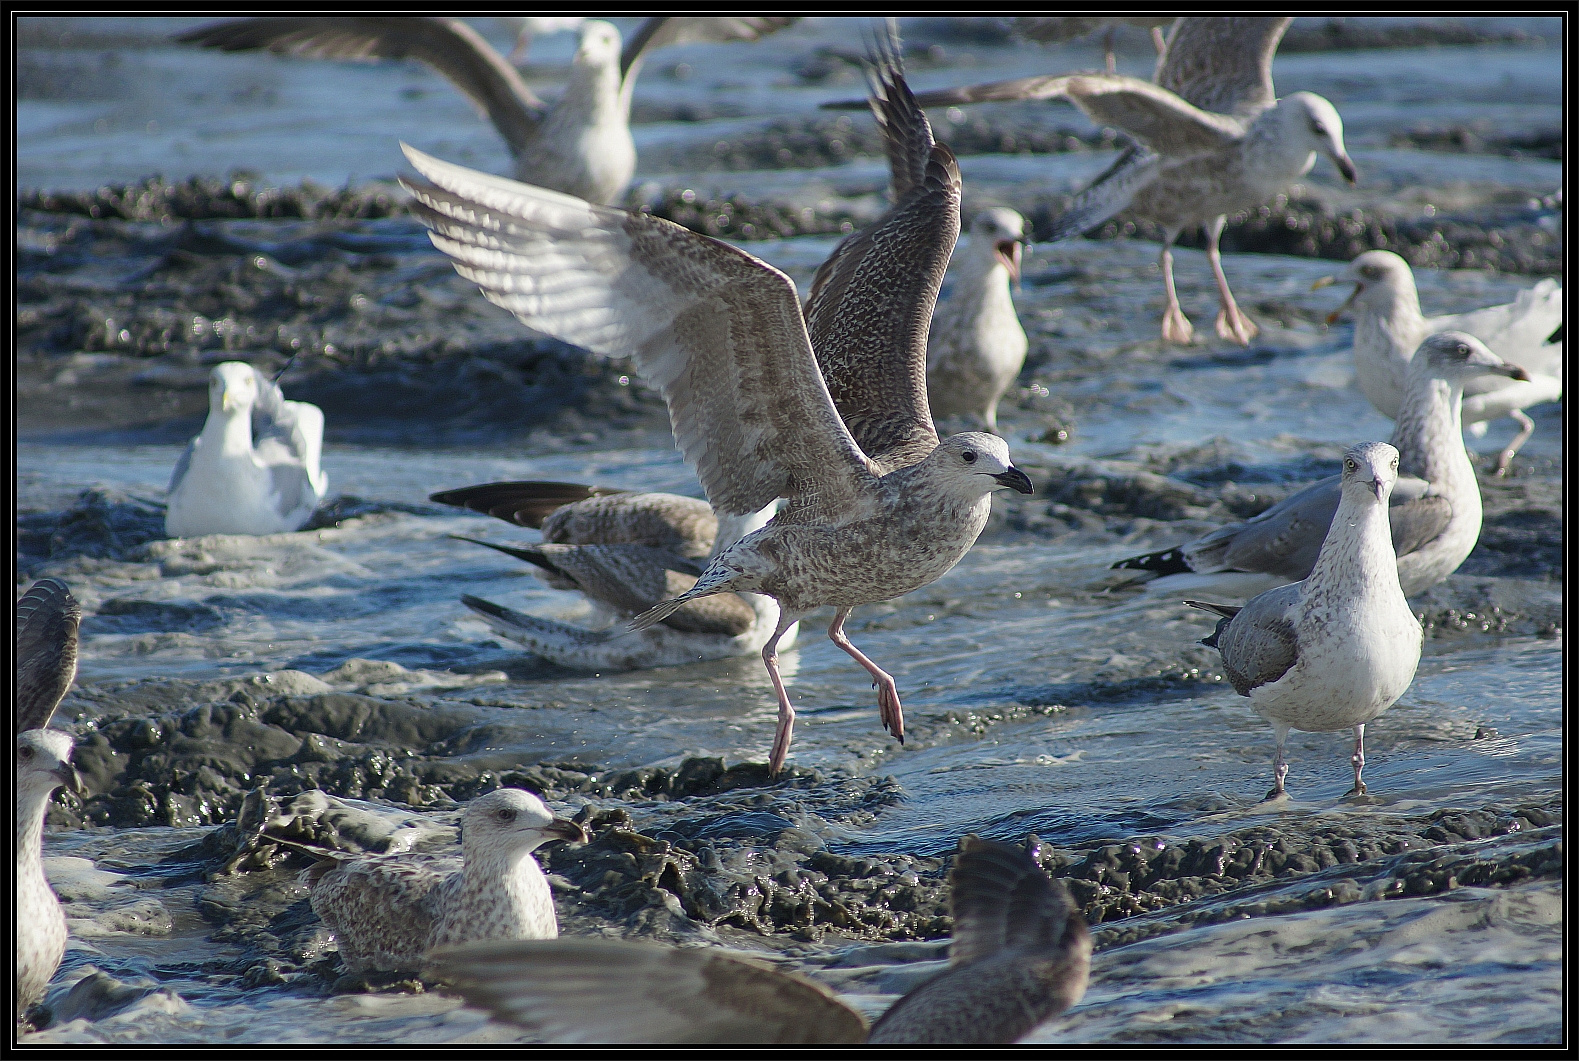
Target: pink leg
1231, 323
1107, 48
1175, 325
770, 660
1526, 428
1158, 41
1358, 760
888, 706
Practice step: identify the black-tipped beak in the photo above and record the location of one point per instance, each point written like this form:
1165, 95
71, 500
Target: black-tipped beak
1513, 372
71, 779
1015, 479
1345, 166
1009, 254
565, 829
1332, 318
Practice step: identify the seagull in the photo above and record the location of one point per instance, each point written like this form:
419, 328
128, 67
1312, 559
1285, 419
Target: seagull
528, 26
1388, 326
625, 552
46, 662
1021, 955
827, 410
388, 911
1338, 649
1435, 511
976, 346
1216, 140
581, 145
254, 469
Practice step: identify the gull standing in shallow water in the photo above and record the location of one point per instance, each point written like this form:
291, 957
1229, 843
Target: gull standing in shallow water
1021, 955
827, 410
254, 469
1336, 650
1388, 327
1435, 511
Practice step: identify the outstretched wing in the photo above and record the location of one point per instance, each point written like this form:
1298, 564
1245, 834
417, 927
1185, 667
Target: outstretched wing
718, 331
1107, 195
1222, 64
448, 45
47, 617
526, 503
1001, 898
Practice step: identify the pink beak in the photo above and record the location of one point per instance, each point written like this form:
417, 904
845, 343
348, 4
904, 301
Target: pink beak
1009, 255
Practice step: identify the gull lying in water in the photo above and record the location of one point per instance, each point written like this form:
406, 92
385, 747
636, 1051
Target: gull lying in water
1021, 955
1435, 511
1217, 141
827, 409
1338, 649
1388, 326
388, 911
580, 145
625, 552
977, 347
47, 617
254, 469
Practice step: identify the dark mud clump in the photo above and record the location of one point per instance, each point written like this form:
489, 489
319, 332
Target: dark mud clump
102, 523
215, 199
1364, 34
1482, 139
734, 218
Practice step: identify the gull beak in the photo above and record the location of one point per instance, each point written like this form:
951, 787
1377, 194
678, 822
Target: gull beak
1376, 488
565, 829
1015, 479
71, 779
1008, 252
1512, 372
1325, 281
1346, 167
228, 401
1332, 318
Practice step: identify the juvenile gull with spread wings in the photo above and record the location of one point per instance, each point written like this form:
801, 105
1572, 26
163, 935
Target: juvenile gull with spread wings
1021, 955
1338, 649
580, 145
1388, 327
827, 410
1435, 510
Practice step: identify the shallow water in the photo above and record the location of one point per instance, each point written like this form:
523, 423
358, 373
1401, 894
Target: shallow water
1039, 699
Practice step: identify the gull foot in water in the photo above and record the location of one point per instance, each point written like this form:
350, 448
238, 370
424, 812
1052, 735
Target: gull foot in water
1232, 324
1176, 327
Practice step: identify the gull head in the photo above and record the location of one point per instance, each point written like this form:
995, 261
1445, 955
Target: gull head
1380, 278
1312, 122
1459, 357
43, 763
1003, 230
978, 462
1370, 469
232, 388
512, 821
600, 45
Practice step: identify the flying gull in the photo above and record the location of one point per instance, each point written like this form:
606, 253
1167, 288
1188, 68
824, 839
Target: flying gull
976, 346
1388, 326
581, 145
1435, 510
1021, 955
827, 410
46, 661
254, 469
387, 911
625, 552
1338, 649
1216, 141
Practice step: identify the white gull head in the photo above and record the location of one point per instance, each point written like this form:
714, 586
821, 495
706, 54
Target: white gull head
510, 822
1369, 471
974, 464
1310, 123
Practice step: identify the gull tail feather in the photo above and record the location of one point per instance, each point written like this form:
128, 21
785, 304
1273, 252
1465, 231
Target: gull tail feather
662, 610
1227, 611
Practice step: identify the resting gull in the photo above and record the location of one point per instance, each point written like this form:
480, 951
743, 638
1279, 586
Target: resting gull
976, 346
1388, 326
580, 145
625, 552
254, 469
1435, 509
1216, 141
46, 661
1021, 955
826, 410
387, 911
1338, 649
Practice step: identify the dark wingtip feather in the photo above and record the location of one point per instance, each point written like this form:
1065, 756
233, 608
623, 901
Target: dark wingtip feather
1163, 562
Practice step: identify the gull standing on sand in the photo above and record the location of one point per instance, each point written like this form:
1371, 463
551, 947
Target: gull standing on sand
977, 346
1435, 511
827, 410
387, 911
254, 469
47, 617
1388, 326
1338, 649
580, 145
1217, 141
1021, 955
625, 552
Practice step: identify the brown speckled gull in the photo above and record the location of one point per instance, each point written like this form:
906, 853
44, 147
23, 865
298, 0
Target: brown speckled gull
835, 421
1021, 955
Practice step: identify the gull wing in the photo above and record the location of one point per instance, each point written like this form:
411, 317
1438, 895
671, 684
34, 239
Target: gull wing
585, 990
288, 438
1111, 192
47, 617
664, 30
719, 332
525, 503
1223, 65
871, 302
1260, 643
448, 45
1000, 899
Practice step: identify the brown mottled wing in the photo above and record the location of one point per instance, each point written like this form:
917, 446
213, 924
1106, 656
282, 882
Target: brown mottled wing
526, 503
685, 525
1001, 898
47, 617
1042, 86
448, 45
1222, 64
1260, 643
381, 909
718, 331
584, 990
871, 302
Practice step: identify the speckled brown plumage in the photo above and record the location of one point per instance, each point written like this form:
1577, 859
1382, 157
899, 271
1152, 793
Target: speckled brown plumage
47, 617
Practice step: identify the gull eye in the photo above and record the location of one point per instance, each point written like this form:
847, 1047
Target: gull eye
505, 816
969, 457
1348, 462
1463, 350
1318, 128
26, 753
